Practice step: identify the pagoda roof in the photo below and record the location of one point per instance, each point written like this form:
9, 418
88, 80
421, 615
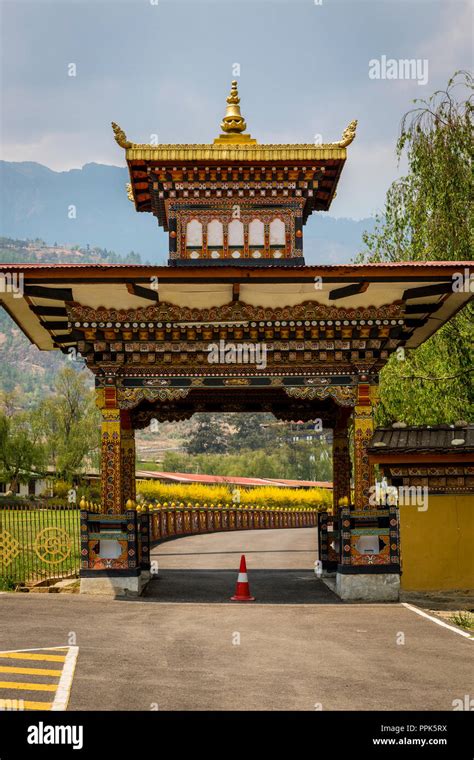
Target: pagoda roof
164, 173
233, 144
160, 174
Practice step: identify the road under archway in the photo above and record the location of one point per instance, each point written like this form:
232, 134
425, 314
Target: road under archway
203, 568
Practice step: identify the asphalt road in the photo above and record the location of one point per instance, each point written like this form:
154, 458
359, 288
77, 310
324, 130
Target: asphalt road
186, 646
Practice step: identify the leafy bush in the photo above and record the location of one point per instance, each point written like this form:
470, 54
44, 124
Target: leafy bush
61, 489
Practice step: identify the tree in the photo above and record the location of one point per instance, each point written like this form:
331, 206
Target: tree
209, 436
21, 452
429, 216
11, 402
68, 422
249, 431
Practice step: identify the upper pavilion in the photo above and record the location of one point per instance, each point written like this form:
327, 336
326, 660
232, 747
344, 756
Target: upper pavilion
234, 201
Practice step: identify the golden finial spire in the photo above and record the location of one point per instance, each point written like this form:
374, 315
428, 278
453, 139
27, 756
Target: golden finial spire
233, 124
233, 120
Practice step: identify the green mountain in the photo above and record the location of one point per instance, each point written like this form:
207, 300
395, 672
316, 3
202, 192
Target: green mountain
22, 365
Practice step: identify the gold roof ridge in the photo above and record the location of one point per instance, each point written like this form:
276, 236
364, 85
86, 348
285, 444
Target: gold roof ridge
223, 145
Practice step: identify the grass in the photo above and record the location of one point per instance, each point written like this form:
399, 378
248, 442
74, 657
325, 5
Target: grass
27, 534
150, 466
6, 584
464, 619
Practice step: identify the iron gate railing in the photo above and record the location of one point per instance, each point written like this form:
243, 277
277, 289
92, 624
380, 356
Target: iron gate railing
43, 542
38, 542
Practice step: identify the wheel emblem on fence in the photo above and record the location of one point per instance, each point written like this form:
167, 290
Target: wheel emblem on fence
52, 545
9, 548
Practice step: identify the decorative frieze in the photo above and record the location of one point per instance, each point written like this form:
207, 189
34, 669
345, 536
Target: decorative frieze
128, 398
150, 316
343, 395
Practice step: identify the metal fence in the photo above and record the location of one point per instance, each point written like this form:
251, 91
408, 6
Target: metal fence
177, 521
122, 542
38, 542
43, 542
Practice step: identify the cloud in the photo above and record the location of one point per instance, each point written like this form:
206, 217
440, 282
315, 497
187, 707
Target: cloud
369, 170
166, 70
450, 46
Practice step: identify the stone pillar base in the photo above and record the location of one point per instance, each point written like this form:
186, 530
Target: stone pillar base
101, 584
368, 587
328, 573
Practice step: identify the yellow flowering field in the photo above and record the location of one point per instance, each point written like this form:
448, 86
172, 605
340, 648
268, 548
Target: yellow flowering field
265, 496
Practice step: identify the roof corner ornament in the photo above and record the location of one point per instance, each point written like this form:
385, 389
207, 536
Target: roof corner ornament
120, 136
348, 135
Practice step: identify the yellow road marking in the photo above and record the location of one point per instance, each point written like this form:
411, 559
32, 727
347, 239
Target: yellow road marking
28, 686
63, 675
24, 704
29, 656
29, 671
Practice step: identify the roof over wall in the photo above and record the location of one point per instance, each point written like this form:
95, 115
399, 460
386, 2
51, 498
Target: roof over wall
188, 478
455, 440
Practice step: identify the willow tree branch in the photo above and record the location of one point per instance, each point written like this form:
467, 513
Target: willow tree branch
436, 379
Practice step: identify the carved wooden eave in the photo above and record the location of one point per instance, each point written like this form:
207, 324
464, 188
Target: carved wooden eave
55, 297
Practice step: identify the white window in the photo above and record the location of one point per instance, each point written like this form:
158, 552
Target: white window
256, 232
194, 234
215, 234
236, 233
277, 232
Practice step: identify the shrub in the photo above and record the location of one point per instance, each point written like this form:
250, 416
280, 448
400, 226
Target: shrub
61, 489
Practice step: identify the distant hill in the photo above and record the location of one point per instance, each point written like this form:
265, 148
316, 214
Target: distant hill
22, 365
35, 201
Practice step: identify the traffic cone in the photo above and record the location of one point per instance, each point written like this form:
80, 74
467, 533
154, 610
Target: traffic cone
242, 589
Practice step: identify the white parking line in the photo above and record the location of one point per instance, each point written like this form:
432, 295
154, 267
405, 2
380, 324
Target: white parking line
438, 621
61, 698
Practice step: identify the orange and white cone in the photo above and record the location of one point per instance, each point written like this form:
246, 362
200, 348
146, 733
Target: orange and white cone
242, 589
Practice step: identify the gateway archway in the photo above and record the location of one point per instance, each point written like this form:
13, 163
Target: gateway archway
322, 333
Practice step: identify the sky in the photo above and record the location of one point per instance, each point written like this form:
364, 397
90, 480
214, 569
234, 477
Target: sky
164, 67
